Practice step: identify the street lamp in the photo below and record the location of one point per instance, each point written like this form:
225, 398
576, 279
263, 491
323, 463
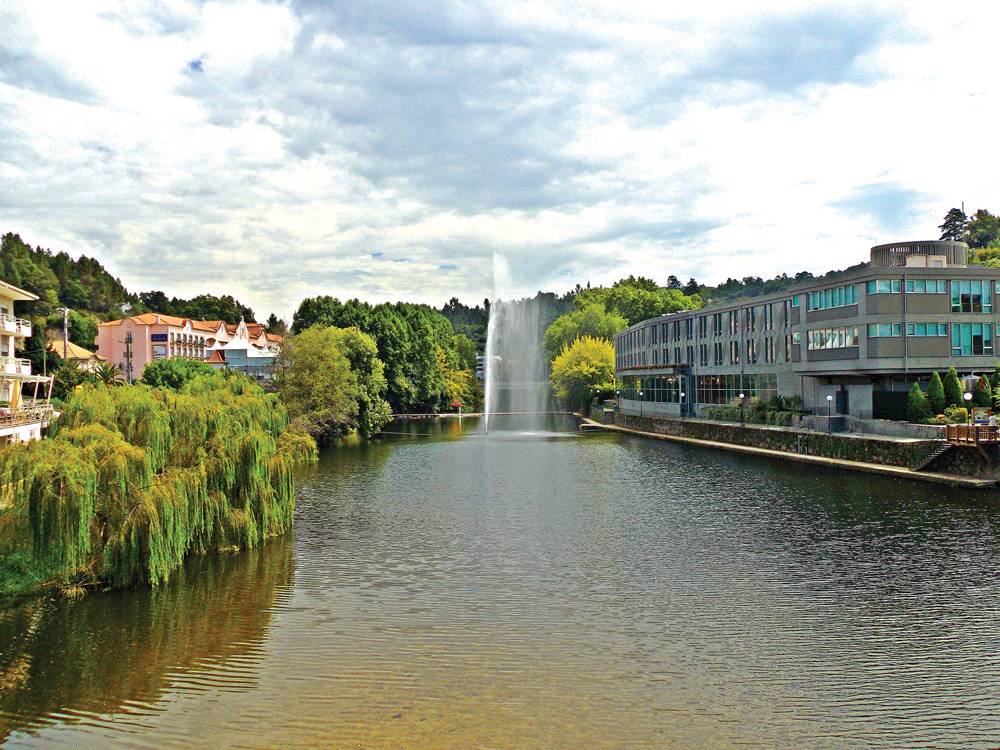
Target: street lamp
829, 414
742, 420
968, 405
682, 404
640, 404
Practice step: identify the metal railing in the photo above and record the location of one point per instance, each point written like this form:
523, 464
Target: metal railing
25, 415
18, 322
972, 434
15, 365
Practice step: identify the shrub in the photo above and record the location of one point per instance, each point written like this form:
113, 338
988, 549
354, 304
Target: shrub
917, 408
935, 394
939, 419
952, 389
982, 394
956, 414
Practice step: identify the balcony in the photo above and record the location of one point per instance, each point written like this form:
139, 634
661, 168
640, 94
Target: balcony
15, 366
30, 414
14, 326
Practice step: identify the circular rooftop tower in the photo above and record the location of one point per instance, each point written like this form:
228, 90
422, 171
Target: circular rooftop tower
921, 254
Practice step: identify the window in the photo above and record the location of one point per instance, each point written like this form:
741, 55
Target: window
717, 324
751, 351
926, 329
883, 286
797, 337
734, 322
769, 349
703, 326
971, 295
703, 355
661, 389
795, 300
677, 355
689, 328
734, 352
838, 296
884, 330
769, 317
751, 319
926, 286
971, 339
726, 389
833, 338
718, 354
690, 355
652, 332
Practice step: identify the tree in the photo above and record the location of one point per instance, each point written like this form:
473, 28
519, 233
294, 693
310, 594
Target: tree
67, 375
332, 382
109, 374
995, 379
983, 230
982, 394
935, 395
174, 372
591, 321
581, 369
954, 225
953, 389
673, 282
691, 288
276, 325
917, 408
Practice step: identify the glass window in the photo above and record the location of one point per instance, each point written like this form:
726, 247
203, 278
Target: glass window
884, 286
926, 286
926, 329
832, 338
971, 295
884, 330
840, 296
795, 300
971, 339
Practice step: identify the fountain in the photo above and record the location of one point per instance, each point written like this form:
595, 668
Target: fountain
516, 384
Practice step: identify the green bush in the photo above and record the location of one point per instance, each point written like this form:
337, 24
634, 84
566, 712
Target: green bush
935, 394
952, 389
956, 414
982, 394
174, 372
917, 408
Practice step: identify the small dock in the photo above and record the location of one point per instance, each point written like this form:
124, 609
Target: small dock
972, 434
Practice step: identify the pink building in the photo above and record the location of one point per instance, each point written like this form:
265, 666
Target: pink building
133, 342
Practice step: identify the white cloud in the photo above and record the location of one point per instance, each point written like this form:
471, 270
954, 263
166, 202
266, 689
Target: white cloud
386, 150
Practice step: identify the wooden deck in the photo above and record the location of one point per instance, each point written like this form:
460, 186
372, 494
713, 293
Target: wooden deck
972, 434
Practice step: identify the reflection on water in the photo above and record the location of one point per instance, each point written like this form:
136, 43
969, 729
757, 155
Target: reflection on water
599, 592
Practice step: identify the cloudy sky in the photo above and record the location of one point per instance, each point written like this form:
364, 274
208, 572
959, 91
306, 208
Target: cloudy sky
386, 150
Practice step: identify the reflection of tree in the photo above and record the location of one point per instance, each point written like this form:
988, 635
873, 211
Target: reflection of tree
98, 653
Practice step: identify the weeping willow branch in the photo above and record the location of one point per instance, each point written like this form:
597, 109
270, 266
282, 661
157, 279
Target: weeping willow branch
134, 479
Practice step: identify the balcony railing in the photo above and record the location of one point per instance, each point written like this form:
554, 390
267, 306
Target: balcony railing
35, 413
15, 366
17, 326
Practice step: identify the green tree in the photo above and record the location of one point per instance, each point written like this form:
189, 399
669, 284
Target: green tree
276, 325
995, 379
174, 372
982, 394
954, 225
581, 369
935, 395
109, 374
591, 320
917, 408
67, 375
983, 230
332, 382
953, 389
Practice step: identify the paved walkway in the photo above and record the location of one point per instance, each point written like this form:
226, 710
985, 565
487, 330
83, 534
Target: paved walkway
892, 471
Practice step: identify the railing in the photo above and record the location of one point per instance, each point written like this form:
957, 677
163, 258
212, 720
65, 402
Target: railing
15, 366
17, 326
25, 415
972, 434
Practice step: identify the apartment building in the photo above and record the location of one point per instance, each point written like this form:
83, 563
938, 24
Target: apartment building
862, 337
24, 397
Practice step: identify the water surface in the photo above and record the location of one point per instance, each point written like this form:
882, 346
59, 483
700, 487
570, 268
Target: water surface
543, 589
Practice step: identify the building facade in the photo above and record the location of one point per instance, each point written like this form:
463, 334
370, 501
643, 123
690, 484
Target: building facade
862, 337
24, 396
134, 342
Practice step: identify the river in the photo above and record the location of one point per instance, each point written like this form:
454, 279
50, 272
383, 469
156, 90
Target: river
555, 590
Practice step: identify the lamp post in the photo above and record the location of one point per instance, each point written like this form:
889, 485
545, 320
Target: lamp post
968, 407
640, 404
829, 414
682, 404
742, 419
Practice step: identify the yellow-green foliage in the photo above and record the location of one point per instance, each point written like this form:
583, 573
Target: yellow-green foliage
582, 369
136, 478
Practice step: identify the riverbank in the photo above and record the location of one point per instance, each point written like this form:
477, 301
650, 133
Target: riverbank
895, 457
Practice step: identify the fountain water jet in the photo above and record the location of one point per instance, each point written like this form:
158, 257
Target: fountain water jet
515, 363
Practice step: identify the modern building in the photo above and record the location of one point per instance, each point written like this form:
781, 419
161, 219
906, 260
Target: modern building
861, 336
246, 348
24, 397
135, 341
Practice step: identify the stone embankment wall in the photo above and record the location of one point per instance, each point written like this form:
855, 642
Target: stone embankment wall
866, 448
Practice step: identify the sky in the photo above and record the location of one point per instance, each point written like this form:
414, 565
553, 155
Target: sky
387, 150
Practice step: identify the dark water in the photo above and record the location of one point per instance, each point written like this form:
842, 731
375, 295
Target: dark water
544, 591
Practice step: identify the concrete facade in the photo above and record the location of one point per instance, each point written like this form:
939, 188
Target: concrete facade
915, 308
